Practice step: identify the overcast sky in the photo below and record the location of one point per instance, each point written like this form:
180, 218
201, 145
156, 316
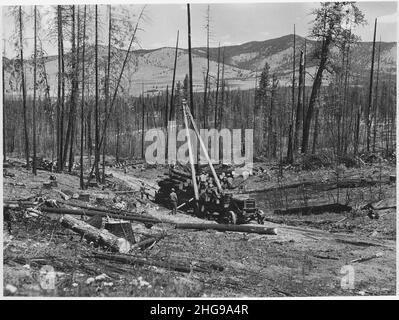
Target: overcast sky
231, 23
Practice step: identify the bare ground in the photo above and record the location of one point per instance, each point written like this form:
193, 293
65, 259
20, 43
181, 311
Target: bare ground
309, 256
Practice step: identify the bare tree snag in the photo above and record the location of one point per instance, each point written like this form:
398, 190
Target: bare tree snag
370, 100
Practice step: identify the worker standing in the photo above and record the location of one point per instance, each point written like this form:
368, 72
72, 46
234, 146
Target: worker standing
173, 200
142, 191
203, 179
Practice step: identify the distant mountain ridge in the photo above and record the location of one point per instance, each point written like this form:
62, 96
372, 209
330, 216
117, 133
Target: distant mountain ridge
153, 68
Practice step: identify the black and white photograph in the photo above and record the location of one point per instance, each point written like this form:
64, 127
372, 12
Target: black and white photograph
199, 150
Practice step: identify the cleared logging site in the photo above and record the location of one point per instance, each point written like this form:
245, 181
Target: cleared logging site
199, 168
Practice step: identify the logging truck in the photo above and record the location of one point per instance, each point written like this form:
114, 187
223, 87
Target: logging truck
224, 208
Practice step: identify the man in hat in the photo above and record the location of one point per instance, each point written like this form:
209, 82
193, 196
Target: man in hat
173, 200
142, 191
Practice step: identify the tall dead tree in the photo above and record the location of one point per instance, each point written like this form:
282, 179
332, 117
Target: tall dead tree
376, 109
96, 109
34, 165
69, 139
61, 88
328, 28
370, 100
222, 95
290, 147
315, 130
166, 114
23, 86
299, 115
190, 63
107, 84
142, 121
172, 95
4, 112
82, 186
217, 121
205, 106
304, 84
75, 88
272, 138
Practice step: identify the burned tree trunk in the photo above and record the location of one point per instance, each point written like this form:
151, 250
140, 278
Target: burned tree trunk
82, 186
96, 110
172, 101
315, 92
23, 86
34, 165
217, 121
376, 109
205, 106
299, 115
370, 102
291, 132
190, 63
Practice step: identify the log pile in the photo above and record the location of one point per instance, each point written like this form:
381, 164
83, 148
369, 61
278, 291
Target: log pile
182, 183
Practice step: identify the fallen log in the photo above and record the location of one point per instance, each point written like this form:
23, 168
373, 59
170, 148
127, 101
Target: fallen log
360, 243
62, 194
147, 242
381, 205
102, 209
377, 255
100, 213
170, 265
333, 207
324, 257
227, 227
13, 204
102, 237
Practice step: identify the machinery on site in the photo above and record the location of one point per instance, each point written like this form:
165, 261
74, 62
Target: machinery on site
223, 206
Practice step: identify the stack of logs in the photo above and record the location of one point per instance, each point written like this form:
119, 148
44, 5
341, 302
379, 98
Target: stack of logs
182, 183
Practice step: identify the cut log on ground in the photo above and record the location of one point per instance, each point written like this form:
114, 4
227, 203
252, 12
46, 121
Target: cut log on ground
381, 205
146, 243
227, 227
377, 255
63, 195
99, 213
169, 265
334, 207
102, 209
102, 237
359, 243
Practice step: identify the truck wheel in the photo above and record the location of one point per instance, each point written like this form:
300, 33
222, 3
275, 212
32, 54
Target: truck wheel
232, 217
